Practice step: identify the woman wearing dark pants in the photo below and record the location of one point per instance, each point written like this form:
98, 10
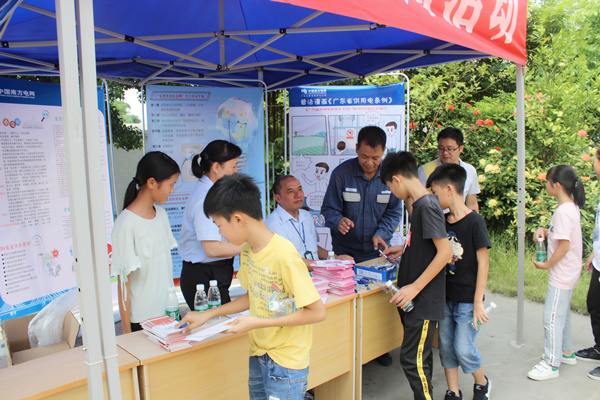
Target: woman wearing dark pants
207, 255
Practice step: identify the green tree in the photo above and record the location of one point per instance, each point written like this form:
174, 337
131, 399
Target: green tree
124, 111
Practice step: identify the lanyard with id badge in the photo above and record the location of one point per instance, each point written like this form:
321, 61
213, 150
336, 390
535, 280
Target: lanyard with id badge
307, 254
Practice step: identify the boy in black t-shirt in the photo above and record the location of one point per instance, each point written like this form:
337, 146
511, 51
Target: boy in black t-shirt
421, 275
466, 280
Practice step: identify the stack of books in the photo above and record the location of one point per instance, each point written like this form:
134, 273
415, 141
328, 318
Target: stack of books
161, 330
339, 275
322, 286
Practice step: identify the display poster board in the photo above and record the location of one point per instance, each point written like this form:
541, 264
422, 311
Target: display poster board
36, 247
324, 125
182, 120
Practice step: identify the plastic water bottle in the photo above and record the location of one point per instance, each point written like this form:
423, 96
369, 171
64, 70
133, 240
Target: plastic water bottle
393, 290
200, 300
214, 296
488, 310
172, 307
282, 306
330, 255
540, 250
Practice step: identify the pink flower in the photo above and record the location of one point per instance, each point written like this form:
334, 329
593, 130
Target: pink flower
539, 97
586, 157
539, 201
451, 107
488, 122
439, 126
476, 112
581, 132
498, 130
527, 96
585, 178
479, 122
468, 105
498, 148
542, 177
542, 212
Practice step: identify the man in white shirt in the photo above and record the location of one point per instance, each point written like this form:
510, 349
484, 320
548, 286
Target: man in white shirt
450, 147
293, 223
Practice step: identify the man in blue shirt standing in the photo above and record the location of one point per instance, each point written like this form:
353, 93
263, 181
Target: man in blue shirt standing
359, 209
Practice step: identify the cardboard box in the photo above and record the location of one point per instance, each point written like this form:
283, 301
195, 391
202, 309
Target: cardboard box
17, 339
381, 272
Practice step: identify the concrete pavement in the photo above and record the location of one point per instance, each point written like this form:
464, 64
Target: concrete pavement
504, 364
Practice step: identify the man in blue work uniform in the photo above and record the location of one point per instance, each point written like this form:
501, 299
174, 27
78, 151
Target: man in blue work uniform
360, 210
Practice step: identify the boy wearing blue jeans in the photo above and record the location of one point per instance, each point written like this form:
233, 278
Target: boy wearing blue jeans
421, 272
466, 279
271, 270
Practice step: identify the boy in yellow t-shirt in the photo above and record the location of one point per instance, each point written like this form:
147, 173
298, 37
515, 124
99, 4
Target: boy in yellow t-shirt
274, 275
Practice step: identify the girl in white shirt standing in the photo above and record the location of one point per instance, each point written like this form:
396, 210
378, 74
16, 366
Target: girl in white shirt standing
563, 266
142, 241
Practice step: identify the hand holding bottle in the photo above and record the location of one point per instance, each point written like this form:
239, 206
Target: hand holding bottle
479, 314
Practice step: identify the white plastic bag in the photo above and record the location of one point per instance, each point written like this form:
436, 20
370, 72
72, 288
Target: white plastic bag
47, 326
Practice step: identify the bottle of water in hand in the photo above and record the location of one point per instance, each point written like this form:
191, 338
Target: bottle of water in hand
393, 290
540, 250
172, 306
200, 300
214, 296
488, 310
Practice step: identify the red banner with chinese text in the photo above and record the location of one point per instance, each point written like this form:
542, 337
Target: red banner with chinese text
495, 27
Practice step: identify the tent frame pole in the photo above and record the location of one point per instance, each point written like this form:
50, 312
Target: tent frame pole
520, 82
80, 119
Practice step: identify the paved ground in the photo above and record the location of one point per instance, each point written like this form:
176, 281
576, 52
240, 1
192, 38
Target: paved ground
504, 364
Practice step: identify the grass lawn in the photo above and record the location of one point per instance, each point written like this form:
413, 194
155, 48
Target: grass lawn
503, 273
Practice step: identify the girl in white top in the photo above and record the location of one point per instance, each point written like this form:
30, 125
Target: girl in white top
142, 241
205, 253
563, 266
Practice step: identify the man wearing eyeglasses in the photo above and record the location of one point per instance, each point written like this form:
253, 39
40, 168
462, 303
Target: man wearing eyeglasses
450, 146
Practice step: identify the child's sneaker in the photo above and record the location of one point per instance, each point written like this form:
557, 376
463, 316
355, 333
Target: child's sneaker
569, 360
565, 359
589, 354
450, 395
482, 392
595, 373
542, 371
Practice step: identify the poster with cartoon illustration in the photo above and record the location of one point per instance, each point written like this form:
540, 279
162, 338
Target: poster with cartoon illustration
324, 125
36, 246
183, 120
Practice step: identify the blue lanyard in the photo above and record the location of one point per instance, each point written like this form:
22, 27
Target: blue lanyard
303, 236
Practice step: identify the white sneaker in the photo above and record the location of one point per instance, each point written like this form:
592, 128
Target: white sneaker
568, 360
542, 371
565, 359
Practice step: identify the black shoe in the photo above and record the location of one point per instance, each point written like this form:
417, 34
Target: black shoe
482, 392
595, 374
384, 360
589, 354
450, 395
309, 395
